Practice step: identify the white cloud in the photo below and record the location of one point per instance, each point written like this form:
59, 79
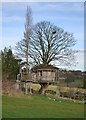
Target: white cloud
80, 60
63, 6
58, 6
66, 6
39, 7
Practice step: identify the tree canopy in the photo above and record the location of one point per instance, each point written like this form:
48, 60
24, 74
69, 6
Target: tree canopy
50, 43
45, 43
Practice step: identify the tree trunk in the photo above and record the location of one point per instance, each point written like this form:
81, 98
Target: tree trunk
43, 87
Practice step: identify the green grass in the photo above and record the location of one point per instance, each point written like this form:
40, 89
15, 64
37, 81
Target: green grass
35, 106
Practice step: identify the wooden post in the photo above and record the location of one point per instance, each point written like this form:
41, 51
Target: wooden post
43, 88
26, 88
58, 92
30, 88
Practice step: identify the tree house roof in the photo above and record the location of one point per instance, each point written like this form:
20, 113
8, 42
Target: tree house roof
44, 67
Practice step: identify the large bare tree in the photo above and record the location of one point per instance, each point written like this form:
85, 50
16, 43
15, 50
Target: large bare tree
22, 47
50, 43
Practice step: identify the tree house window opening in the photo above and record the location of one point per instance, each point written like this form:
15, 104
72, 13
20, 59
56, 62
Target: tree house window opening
40, 73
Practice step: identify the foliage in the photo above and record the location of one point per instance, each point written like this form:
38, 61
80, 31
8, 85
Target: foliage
85, 79
10, 65
50, 92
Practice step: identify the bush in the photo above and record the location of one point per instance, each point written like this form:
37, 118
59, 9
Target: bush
50, 92
64, 94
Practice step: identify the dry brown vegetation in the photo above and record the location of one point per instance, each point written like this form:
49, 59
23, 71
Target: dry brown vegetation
9, 88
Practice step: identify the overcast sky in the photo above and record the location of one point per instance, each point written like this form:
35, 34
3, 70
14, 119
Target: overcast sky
67, 15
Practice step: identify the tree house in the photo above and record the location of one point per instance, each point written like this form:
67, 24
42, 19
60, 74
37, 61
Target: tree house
42, 74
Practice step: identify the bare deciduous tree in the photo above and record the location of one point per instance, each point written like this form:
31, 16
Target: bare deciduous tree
51, 43
22, 47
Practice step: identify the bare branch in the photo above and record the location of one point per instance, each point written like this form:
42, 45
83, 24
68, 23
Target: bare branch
22, 47
50, 43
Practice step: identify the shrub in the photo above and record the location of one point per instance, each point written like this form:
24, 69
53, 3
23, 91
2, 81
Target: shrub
50, 92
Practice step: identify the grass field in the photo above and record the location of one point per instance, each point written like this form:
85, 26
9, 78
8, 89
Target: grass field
35, 106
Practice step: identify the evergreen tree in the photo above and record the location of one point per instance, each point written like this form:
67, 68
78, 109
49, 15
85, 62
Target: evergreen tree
10, 65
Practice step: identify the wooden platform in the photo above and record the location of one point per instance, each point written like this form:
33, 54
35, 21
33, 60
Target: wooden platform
39, 82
